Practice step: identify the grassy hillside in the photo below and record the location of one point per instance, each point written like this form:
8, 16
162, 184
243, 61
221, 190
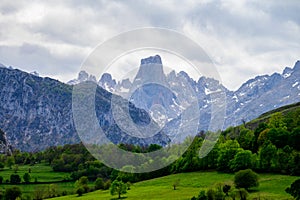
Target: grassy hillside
271, 187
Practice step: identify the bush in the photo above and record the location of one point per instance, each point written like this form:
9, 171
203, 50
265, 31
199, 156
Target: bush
211, 194
201, 196
246, 179
242, 193
80, 191
15, 179
99, 184
2, 165
107, 185
294, 189
12, 193
26, 177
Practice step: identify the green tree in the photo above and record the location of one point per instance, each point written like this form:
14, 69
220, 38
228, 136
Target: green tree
284, 156
294, 189
26, 177
118, 187
267, 156
294, 138
52, 190
79, 191
176, 184
10, 161
246, 138
242, 193
201, 196
277, 121
99, 184
246, 179
211, 194
16, 168
1, 180
1, 166
226, 189
278, 137
15, 179
39, 193
13, 193
242, 160
82, 183
227, 152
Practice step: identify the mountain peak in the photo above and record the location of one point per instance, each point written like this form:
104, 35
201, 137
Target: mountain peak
3, 66
151, 70
151, 60
297, 65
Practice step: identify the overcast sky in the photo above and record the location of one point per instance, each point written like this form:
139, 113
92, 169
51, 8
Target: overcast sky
243, 38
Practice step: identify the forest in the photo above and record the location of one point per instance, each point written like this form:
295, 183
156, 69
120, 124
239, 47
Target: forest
268, 144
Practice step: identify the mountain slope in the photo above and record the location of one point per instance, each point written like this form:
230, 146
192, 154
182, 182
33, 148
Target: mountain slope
5, 147
37, 113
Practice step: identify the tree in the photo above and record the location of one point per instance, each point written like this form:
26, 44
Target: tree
267, 154
294, 189
26, 177
1, 166
242, 160
52, 190
10, 161
15, 179
245, 138
176, 183
201, 196
277, 121
118, 187
211, 194
295, 138
246, 179
99, 184
242, 193
39, 193
79, 191
226, 189
82, 183
227, 152
12, 193
16, 168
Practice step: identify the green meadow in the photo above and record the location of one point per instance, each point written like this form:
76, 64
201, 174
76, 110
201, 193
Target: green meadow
271, 186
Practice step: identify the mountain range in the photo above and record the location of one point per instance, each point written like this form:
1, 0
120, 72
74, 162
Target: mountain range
254, 97
36, 112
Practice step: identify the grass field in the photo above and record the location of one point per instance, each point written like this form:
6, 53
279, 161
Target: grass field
271, 187
43, 173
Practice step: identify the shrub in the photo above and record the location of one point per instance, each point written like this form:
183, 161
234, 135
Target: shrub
26, 177
99, 184
246, 179
12, 193
80, 191
294, 189
15, 179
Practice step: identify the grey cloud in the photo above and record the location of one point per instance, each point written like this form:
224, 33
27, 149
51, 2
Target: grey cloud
252, 31
31, 57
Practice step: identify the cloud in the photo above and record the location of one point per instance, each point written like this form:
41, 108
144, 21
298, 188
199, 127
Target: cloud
243, 38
